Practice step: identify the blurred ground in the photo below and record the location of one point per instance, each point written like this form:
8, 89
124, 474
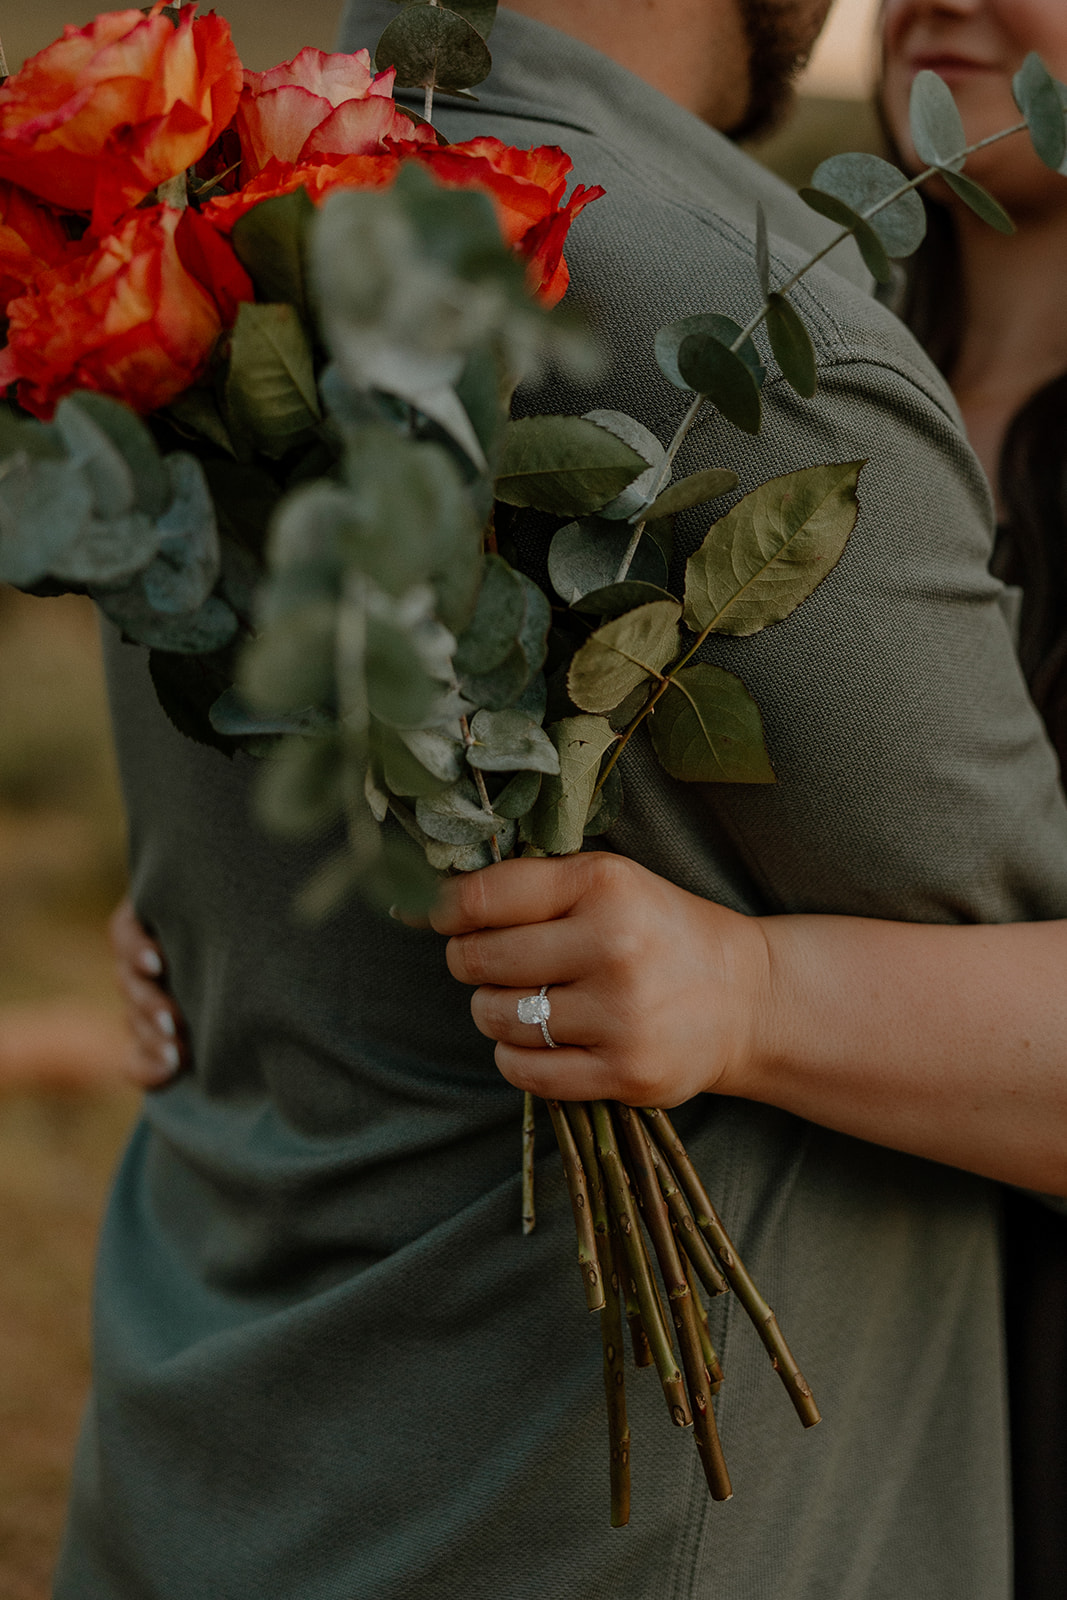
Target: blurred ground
63, 1111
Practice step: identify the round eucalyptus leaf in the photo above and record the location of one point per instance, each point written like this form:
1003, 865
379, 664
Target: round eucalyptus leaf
105, 470
111, 551
518, 795
506, 741
936, 125
669, 341
431, 45
188, 559
133, 441
440, 755
499, 612
615, 598
192, 633
792, 346
1038, 98
979, 200
45, 506
301, 787
712, 369
456, 816
870, 245
586, 555
501, 687
536, 621
863, 181
291, 664
641, 439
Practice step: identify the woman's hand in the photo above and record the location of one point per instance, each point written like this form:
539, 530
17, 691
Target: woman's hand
654, 992
157, 1037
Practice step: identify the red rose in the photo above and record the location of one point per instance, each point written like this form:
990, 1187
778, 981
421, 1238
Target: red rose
137, 318
318, 105
32, 239
99, 119
319, 178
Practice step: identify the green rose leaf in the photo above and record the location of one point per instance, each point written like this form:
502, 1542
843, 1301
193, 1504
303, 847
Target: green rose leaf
980, 201
536, 621
429, 44
187, 563
196, 412
707, 728
615, 598
712, 369
134, 443
763, 253
863, 181
622, 654
1038, 98
725, 330
693, 491
870, 245
271, 242
506, 741
518, 794
566, 465
556, 824
270, 387
455, 815
936, 125
771, 550
792, 346
586, 555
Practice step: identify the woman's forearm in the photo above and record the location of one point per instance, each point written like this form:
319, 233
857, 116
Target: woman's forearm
946, 1042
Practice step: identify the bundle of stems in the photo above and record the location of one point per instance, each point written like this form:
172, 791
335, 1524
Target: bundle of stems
629, 1175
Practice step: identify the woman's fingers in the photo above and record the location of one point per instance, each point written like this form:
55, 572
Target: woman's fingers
512, 893
158, 1047
572, 1021
542, 952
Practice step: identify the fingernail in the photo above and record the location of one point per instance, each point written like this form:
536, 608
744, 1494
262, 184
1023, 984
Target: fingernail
151, 961
165, 1024
172, 1056
396, 913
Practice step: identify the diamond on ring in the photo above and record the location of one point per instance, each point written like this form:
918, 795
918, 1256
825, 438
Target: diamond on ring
535, 1010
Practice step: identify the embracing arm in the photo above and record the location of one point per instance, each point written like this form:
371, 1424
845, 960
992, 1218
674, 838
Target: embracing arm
944, 1042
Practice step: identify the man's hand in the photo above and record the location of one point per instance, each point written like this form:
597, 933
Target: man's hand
654, 992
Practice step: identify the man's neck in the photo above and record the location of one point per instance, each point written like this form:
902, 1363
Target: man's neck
693, 51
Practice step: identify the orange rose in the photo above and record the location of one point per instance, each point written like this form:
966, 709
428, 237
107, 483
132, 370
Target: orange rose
526, 187
138, 318
318, 105
32, 239
97, 120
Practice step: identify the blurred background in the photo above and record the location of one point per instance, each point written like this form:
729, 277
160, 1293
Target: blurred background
64, 1111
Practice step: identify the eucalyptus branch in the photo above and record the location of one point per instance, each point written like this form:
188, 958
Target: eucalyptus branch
759, 1312
686, 424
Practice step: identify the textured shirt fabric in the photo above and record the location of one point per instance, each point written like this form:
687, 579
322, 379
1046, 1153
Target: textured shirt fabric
328, 1364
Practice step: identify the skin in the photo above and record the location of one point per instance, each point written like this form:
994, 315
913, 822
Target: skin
946, 1043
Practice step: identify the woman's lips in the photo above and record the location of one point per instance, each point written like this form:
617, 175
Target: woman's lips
954, 69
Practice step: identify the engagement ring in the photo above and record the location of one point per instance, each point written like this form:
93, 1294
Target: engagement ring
536, 1010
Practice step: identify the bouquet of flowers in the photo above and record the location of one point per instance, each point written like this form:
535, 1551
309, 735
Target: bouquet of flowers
263, 331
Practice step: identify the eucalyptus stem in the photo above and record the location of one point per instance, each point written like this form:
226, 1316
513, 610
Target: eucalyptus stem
577, 1187
633, 1244
692, 1241
710, 1224
529, 1135
680, 1297
684, 427
427, 105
